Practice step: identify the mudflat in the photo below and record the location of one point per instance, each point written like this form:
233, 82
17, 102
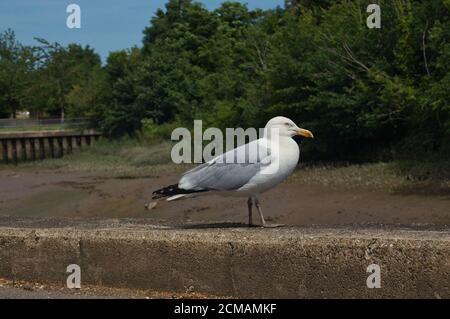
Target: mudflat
80, 194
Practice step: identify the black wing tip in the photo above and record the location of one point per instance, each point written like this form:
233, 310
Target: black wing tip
173, 190
166, 191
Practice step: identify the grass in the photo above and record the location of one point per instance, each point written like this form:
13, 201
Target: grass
133, 158
126, 158
397, 177
374, 176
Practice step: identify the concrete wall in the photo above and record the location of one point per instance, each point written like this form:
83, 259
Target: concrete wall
239, 262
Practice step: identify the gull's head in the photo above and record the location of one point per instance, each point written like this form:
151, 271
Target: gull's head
285, 127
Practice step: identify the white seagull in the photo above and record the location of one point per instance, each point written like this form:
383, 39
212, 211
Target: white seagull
255, 168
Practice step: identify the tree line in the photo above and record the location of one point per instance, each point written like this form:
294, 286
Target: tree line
365, 93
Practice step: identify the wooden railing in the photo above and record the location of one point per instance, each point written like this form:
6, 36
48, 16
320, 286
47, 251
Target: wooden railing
43, 124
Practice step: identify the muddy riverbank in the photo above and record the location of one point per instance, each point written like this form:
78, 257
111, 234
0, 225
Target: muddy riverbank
59, 193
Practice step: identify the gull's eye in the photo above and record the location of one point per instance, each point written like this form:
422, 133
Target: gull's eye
288, 124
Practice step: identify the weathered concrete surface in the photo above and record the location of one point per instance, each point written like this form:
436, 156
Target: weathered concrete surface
228, 260
10, 289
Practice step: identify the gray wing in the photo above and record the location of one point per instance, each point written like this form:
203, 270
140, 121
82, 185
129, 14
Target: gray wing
228, 171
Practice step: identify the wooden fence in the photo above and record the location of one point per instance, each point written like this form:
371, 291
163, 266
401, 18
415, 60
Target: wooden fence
30, 146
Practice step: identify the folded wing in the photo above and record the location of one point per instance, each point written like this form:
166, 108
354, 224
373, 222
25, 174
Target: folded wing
228, 171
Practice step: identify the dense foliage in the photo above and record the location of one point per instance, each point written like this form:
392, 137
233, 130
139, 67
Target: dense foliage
365, 93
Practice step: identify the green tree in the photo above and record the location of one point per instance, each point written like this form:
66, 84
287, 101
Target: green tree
16, 63
121, 114
65, 69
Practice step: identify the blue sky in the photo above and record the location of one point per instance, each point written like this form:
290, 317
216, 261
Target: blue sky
106, 25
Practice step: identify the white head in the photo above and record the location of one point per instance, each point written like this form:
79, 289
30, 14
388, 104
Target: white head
285, 127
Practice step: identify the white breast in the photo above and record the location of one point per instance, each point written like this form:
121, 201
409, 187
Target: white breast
283, 160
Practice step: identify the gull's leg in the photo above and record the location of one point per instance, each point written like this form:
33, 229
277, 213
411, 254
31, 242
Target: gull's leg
258, 207
250, 204
263, 222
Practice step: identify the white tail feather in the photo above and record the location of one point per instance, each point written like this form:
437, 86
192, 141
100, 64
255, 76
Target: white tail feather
176, 197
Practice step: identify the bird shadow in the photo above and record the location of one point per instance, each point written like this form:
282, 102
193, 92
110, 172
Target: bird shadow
225, 225
217, 225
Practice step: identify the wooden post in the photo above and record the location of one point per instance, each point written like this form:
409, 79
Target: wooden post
14, 150
69, 145
32, 142
41, 148
23, 150
5, 151
52, 147
60, 146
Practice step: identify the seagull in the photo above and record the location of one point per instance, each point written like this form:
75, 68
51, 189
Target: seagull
254, 168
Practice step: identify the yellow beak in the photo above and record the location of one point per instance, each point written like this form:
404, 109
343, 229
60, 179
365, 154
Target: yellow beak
305, 133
